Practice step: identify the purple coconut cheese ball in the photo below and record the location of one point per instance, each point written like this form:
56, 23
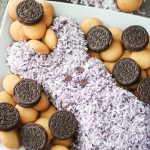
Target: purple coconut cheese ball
109, 117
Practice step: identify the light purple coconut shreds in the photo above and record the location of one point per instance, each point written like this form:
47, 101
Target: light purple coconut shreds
109, 117
105, 4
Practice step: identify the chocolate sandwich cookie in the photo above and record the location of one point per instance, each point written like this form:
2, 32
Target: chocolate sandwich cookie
33, 137
135, 38
126, 71
9, 117
143, 90
29, 12
99, 38
27, 93
63, 124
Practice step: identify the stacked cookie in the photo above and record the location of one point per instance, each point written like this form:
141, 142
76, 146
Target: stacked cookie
27, 112
126, 54
8, 131
31, 21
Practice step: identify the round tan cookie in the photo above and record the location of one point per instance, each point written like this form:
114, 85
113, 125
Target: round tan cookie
66, 142
126, 54
12, 9
5, 97
148, 46
142, 76
9, 83
50, 39
109, 66
43, 103
89, 23
113, 52
17, 32
48, 113
35, 32
49, 13
39, 47
116, 33
27, 115
10, 139
148, 72
94, 54
44, 123
129, 5
59, 147
48, 6
142, 58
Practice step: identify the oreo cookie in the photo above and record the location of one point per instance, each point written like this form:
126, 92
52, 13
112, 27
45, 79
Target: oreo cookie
126, 71
27, 93
99, 38
135, 38
143, 90
33, 137
63, 124
9, 117
29, 12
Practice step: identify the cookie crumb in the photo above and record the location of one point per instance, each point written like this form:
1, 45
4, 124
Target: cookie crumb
83, 83
68, 78
80, 69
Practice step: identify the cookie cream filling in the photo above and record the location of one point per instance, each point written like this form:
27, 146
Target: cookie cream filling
108, 116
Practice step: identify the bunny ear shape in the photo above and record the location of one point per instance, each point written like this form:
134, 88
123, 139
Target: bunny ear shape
108, 116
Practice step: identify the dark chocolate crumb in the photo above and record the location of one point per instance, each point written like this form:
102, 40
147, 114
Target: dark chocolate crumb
68, 78
80, 69
83, 83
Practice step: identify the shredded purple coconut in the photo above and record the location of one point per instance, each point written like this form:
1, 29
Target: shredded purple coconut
109, 117
105, 4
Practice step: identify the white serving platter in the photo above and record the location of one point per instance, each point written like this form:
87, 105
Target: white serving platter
108, 17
